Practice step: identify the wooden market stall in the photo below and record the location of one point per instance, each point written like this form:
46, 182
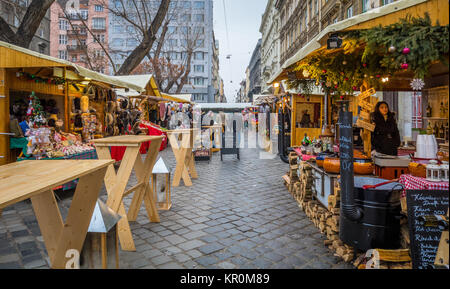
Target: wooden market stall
351, 77
24, 72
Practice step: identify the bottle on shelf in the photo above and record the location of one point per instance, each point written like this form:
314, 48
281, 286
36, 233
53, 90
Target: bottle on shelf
442, 131
442, 110
446, 132
429, 110
429, 128
436, 129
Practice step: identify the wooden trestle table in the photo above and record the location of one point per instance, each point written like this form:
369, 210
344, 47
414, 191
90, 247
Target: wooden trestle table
116, 183
185, 168
35, 180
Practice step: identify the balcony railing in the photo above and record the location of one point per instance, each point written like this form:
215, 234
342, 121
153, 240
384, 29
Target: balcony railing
74, 33
79, 47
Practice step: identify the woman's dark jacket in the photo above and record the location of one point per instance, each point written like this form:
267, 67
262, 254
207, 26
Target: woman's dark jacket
386, 137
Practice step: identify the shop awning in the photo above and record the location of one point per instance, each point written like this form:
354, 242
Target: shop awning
180, 98
12, 56
385, 15
146, 81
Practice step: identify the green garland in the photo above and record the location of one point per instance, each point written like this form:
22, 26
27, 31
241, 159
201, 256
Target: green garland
377, 53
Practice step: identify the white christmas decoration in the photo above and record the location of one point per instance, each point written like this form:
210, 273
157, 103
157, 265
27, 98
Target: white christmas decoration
417, 84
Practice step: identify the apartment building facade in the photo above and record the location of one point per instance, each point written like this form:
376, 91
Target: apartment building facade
13, 11
270, 44
301, 21
254, 76
190, 17
82, 37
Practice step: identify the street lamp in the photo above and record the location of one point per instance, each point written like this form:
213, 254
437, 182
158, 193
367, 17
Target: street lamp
334, 42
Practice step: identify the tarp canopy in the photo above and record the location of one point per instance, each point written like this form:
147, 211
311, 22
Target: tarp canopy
180, 98
223, 106
385, 15
12, 56
146, 81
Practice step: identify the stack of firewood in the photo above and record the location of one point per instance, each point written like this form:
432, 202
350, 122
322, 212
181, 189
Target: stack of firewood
304, 188
325, 219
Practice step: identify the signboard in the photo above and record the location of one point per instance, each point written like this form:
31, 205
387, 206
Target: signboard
366, 105
366, 125
425, 239
367, 93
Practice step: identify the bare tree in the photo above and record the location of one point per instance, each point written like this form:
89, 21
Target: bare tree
169, 60
29, 24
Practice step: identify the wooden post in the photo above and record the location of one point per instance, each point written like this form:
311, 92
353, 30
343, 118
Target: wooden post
66, 103
4, 117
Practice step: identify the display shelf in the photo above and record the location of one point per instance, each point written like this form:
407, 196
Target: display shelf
435, 118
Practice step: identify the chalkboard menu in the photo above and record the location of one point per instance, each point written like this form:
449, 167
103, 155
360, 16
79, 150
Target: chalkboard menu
425, 240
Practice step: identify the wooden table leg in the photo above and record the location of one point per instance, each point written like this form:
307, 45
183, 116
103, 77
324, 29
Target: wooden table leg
60, 237
143, 172
182, 157
111, 179
49, 219
192, 169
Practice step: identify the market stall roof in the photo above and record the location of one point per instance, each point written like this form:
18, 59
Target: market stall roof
12, 56
180, 98
146, 81
385, 15
265, 98
225, 106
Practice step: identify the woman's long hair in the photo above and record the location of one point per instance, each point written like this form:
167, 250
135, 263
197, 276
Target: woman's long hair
378, 117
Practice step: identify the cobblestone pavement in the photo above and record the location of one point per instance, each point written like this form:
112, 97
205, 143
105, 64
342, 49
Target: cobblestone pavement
237, 215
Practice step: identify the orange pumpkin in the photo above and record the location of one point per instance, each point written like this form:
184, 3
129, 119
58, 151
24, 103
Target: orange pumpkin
332, 165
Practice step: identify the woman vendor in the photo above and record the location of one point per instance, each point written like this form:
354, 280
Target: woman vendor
386, 136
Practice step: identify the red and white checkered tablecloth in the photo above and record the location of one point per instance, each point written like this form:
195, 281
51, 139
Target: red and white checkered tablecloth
415, 183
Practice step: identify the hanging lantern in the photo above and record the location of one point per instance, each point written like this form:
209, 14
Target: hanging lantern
344, 62
433, 172
306, 73
444, 172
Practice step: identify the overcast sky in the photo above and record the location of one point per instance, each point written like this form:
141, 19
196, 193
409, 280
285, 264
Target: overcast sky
243, 18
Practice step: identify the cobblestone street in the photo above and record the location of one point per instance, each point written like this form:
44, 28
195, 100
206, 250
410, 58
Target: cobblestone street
237, 215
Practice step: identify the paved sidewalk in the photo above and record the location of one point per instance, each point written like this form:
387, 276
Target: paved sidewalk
237, 215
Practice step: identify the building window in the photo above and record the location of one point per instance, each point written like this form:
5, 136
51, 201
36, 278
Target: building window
117, 42
131, 42
84, 14
186, 18
199, 56
100, 37
199, 30
199, 81
63, 39
199, 68
74, 58
316, 7
98, 8
186, 4
365, 5
199, 4
350, 12
62, 54
172, 42
63, 24
99, 23
172, 29
200, 43
199, 17
385, 2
